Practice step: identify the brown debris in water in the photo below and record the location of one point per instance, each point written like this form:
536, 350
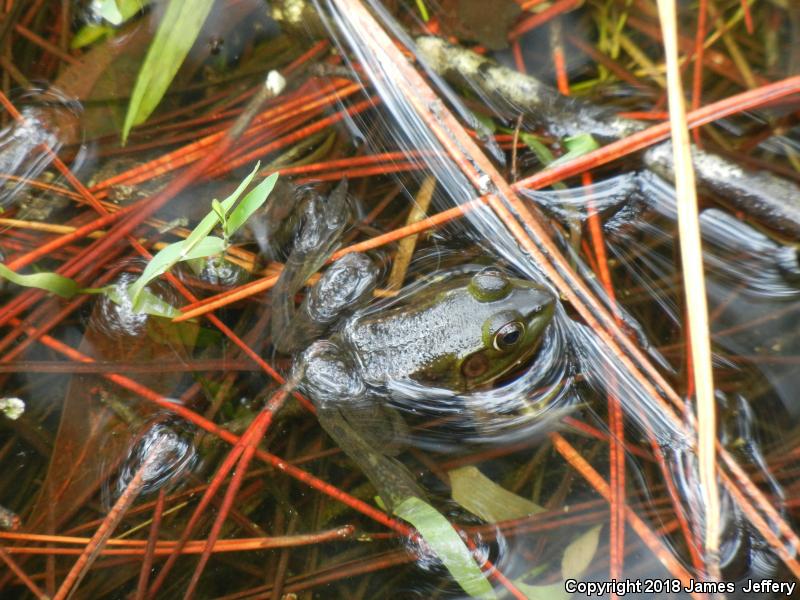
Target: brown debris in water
478, 21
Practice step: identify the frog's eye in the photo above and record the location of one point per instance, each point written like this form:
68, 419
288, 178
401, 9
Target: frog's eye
489, 284
508, 336
475, 365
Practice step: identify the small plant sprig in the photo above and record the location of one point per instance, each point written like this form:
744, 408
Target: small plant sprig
200, 243
107, 16
229, 215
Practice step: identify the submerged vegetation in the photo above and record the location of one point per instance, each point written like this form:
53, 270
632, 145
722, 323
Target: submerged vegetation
433, 340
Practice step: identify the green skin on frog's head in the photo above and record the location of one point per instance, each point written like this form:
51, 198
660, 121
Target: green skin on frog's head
460, 335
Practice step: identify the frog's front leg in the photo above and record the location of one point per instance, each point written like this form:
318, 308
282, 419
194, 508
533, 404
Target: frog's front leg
342, 400
344, 286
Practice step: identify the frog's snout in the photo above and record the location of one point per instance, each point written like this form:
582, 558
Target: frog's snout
539, 307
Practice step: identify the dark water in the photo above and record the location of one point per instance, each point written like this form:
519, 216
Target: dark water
523, 464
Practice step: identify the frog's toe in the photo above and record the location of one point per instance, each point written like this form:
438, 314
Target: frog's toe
328, 376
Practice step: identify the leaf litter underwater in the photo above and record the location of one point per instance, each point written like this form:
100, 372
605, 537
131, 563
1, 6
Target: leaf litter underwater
368, 403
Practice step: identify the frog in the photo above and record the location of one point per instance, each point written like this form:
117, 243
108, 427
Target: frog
462, 332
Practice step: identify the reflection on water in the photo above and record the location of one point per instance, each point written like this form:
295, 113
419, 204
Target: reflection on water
97, 429
46, 121
751, 283
175, 456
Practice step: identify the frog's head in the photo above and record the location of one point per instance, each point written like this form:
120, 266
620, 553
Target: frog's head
514, 314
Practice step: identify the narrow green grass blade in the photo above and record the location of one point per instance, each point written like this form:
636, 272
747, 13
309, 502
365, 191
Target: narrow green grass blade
174, 38
163, 260
228, 203
577, 145
541, 151
51, 282
423, 11
197, 245
219, 211
89, 34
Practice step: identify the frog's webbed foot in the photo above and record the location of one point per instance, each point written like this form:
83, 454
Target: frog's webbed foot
340, 289
323, 224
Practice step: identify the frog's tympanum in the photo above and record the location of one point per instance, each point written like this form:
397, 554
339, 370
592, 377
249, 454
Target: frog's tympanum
460, 334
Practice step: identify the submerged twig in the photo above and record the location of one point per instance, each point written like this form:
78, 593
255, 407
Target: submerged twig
149, 553
23, 577
106, 529
763, 195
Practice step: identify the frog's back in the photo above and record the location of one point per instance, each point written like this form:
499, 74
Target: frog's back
410, 342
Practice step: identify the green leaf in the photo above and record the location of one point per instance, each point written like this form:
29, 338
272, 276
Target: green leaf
51, 282
89, 34
204, 337
117, 12
219, 211
250, 204
423, 11
581, 143
175, 36
199, 233
228, 203
576, 146
160, 263
198, 243
207, 224
147, 303
577, 558
439, 534
579, 554
209, 246
487, 122
171, 255
484, 498
541, 151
